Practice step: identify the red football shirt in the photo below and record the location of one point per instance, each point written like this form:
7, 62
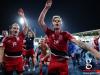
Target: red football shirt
14, 44
58, 42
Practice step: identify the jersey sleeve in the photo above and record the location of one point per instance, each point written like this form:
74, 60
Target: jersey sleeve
21, 34
69, 36
48, 31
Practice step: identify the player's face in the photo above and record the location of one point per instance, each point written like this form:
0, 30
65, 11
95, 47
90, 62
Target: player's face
30, 34
57, 23
15, 30
42, 42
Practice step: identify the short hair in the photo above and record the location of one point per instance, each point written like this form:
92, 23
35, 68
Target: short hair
56, 16
15, 24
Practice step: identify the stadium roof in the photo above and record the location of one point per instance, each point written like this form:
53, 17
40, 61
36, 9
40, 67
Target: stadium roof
88, 33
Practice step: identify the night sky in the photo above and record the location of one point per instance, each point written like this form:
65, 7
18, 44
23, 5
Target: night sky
77, 15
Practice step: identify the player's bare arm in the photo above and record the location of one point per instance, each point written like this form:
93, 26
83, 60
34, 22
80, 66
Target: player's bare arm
85, 46
43, 14
25, 25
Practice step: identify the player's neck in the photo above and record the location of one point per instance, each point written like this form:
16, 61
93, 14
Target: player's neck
57, 31
13, 35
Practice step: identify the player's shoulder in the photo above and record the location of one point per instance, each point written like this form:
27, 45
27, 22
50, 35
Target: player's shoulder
5, 38
49, 29
64, 32
20, 33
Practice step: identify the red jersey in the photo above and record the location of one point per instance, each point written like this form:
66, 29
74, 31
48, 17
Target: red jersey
14, 44
58, 42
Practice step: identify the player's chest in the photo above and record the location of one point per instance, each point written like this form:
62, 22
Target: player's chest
57, 38
14, 41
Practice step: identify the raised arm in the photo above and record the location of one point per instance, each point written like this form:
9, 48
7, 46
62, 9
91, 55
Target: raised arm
43, 13
25, 25
85, 46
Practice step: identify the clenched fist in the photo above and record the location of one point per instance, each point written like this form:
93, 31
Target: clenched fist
48, 3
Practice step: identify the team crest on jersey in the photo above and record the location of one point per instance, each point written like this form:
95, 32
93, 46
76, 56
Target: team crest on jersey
14, 44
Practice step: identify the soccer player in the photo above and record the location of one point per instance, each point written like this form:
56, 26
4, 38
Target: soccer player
13, 46
29, 43
57, 42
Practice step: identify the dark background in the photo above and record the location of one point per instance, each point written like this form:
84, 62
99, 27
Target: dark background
77, 15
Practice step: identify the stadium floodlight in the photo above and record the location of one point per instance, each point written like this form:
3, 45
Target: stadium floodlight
21, 21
